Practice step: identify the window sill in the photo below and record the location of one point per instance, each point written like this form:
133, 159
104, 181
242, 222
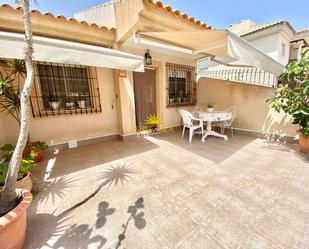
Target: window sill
66, 112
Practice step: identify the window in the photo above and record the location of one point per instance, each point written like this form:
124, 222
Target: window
181, 85
283, 48
62, 89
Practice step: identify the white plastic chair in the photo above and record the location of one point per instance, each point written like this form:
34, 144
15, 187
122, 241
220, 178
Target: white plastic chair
228, 123
188, 119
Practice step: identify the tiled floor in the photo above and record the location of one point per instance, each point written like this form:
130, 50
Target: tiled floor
162, 192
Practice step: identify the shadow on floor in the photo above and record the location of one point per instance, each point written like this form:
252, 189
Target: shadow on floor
135, 216
287, 147
214, 149
48, 230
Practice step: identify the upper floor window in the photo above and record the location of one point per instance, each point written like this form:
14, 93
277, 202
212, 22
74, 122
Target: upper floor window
181, 85
62, 89
283, 49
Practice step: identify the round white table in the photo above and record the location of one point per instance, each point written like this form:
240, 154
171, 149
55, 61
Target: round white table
215, 116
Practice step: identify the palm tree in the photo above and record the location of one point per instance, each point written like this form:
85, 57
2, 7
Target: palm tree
8, 195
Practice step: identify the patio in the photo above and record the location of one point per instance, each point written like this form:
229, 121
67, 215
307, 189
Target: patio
162, 192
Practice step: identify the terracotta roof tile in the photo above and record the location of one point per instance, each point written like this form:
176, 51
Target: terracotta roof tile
49, 14
177, 12
169, 9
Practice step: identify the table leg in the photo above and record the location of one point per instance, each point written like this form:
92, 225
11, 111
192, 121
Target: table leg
210, 132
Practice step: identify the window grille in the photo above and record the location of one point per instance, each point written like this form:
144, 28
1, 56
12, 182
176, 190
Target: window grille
62, 89
181, 89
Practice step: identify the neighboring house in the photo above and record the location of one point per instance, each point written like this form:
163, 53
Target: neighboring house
102, 102
300, 40
279, 39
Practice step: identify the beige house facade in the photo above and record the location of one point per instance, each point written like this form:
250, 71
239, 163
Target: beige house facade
121, 98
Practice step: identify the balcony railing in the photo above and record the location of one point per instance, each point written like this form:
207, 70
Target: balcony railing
244, 75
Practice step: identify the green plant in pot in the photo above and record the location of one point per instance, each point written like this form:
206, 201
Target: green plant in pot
153, 121
14, 202
36, 148
27, 162
292, 96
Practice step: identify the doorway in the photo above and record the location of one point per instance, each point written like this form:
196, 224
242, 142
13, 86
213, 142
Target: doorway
145, 95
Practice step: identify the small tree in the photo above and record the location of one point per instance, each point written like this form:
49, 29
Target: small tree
8, 195
292, 96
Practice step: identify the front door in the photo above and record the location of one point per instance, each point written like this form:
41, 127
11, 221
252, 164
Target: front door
145, 95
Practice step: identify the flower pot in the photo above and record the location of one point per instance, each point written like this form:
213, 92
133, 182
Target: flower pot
13, 224
54, 105
69, 105
38, 152
210, 109
24, 183
81, 104
303, 143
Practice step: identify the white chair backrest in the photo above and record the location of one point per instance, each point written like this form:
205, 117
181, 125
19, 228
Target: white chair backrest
186, 117
233, 110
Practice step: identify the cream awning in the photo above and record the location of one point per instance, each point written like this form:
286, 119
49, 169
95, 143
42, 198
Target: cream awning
60, 51
221, 44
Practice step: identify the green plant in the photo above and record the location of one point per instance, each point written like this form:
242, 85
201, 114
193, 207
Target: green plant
11, 73
154, 121
292, 95
26, 165
8, 150
210, 106
39, 144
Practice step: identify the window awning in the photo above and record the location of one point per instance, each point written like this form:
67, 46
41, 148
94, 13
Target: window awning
60, 51
221, 44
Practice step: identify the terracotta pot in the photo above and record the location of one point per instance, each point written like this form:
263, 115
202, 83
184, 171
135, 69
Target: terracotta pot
38, 152
24, 183
303, 143
13, 224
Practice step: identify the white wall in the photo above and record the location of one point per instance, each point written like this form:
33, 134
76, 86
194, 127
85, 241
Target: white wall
272, 46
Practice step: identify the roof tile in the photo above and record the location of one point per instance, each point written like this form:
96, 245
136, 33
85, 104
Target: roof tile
169, 9
49, 14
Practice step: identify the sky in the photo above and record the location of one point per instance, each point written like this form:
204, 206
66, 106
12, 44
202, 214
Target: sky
218, 13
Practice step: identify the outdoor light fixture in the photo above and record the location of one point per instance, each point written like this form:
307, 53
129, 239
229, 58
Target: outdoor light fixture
148, 58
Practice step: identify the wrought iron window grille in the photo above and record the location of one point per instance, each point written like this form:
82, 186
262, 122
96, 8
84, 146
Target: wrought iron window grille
63, 89
181, 89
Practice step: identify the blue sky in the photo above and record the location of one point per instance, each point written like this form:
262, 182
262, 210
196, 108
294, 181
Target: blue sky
219, 13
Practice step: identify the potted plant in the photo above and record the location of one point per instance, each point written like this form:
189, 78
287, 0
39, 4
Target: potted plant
153, 121
292, 97
14, 202
54, 104
210, 108
81, 104
36, 148
24, 176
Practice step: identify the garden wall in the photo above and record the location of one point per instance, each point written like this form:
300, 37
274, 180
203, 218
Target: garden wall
253, 113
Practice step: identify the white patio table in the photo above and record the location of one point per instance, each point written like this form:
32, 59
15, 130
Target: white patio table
214, 116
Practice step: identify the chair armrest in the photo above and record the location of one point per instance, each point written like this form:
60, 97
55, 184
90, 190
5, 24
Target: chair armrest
199, 120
